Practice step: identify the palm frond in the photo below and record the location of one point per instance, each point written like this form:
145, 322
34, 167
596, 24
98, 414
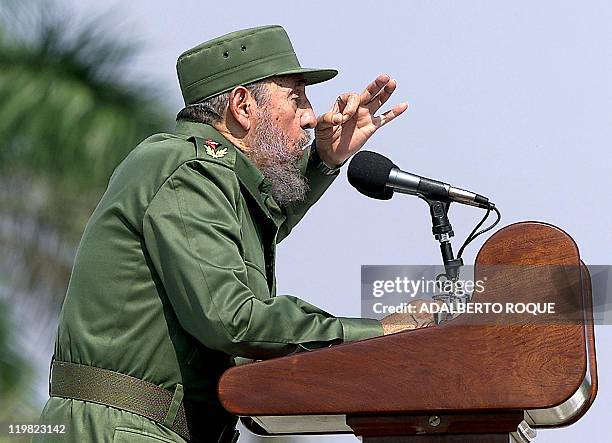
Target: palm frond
69, 113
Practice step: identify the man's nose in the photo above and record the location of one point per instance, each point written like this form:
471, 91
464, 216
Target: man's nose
308, 119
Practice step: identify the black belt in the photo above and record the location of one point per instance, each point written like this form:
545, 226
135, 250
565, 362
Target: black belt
110, 388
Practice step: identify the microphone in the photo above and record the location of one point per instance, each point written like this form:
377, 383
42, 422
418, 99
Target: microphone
375, 176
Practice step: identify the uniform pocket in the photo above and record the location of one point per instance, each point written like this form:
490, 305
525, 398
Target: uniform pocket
129, 435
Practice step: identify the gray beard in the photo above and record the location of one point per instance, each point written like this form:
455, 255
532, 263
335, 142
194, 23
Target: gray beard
277, 156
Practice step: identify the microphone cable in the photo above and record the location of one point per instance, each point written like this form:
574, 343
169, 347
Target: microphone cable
470, 238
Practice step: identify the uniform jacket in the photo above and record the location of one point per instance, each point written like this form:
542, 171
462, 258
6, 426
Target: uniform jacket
174, 277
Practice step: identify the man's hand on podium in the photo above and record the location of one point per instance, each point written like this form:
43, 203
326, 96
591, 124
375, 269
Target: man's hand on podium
404, 321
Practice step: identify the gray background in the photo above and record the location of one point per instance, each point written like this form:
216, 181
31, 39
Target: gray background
511, 99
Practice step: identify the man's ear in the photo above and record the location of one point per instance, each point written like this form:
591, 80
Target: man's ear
241, 107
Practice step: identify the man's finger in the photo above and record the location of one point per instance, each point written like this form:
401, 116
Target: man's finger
330, 118
349, 104
383, 96
374, 88
390, 115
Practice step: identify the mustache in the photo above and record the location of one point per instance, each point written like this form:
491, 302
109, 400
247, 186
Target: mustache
303, 143
307, 139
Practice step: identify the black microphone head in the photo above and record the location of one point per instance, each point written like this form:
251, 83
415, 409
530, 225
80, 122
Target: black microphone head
369, 173
385, 195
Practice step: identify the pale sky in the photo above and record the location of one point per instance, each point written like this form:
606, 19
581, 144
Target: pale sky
511, 99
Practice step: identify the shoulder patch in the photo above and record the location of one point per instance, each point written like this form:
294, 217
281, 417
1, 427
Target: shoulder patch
214, 149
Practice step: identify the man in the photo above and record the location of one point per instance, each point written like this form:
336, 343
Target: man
174, 276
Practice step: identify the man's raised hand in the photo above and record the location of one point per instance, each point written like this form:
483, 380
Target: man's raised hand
351, 121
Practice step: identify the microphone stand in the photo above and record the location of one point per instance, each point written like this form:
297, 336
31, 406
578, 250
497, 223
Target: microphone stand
443, 232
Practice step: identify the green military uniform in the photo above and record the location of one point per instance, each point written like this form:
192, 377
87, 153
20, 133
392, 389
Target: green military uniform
175, 274
174, 277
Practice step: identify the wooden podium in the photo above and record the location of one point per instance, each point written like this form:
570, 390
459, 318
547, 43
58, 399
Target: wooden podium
472, 379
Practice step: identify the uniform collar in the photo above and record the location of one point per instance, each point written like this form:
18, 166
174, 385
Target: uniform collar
248, 174
185, 127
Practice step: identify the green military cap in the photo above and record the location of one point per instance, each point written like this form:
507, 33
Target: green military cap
239, 58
